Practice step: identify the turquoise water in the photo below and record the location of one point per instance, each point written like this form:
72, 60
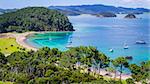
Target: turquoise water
103, 33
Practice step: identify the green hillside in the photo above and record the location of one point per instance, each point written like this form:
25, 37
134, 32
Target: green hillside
34, 19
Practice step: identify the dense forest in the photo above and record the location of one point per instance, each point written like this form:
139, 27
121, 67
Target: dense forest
52, 66
34, 19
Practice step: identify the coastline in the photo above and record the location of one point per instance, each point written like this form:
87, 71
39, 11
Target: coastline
21, 37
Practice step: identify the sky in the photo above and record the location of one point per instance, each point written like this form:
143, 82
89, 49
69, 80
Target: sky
10, 4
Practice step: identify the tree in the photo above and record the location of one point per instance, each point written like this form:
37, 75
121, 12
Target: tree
102, 61
3, 59
136, 72
110, 70
3, 62
145, 66
34, 19
51, 66
115, 65
121, 62
140, 73
130, 81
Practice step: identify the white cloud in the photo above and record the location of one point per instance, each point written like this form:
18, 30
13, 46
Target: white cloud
23, 3
130, 1
136, 3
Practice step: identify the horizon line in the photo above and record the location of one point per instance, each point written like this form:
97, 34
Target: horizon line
77, 5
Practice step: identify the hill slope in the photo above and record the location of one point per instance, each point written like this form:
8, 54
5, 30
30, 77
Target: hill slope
94, 9
34, 19
2, 11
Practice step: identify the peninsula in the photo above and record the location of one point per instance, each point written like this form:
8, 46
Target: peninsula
15, 26
34, 19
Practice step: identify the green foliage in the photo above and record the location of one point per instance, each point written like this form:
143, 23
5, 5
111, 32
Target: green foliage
130, 81
103, 60
43, 66
3, 60
140, 73
51, 66
120, 62
34, 19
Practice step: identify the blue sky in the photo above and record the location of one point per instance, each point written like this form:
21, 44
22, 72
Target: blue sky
25, 3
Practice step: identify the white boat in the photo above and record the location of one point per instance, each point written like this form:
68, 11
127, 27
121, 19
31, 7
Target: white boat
125, 46
111, 50
69, 46
140, 42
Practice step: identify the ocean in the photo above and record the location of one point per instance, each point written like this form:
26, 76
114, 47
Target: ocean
104, 34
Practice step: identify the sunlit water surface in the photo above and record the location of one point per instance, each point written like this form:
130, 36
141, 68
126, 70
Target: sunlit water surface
103, 33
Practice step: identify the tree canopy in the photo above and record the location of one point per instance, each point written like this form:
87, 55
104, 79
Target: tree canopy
34, 19
52, 66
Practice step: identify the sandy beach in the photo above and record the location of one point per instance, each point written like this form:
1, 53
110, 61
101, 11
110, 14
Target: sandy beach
111, 75
21, 37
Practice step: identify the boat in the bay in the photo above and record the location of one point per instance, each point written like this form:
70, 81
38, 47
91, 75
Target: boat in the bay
111, 50
140, 42
126, 46
69, 46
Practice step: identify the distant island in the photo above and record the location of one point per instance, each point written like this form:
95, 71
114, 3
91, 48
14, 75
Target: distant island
97, 9
34, 19
105, 14
2, 11
89, 9
130, 16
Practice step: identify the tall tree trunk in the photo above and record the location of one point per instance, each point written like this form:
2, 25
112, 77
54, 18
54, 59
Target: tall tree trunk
94, 70
99, 67
120, 72
99, 71
115, 74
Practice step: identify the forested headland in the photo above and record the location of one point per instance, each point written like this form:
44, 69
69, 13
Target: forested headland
52, 66
34, 19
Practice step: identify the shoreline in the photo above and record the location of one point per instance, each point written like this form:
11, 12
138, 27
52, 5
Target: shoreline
21, 37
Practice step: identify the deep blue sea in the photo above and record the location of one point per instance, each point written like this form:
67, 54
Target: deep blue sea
103, 33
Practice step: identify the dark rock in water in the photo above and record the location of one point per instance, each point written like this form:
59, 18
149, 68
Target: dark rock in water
129, 57
105, 14
130, 16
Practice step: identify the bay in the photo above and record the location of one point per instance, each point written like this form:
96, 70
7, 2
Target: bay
103, 33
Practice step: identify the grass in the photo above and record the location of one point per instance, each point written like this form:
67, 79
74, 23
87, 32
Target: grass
9, 45
5, 82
